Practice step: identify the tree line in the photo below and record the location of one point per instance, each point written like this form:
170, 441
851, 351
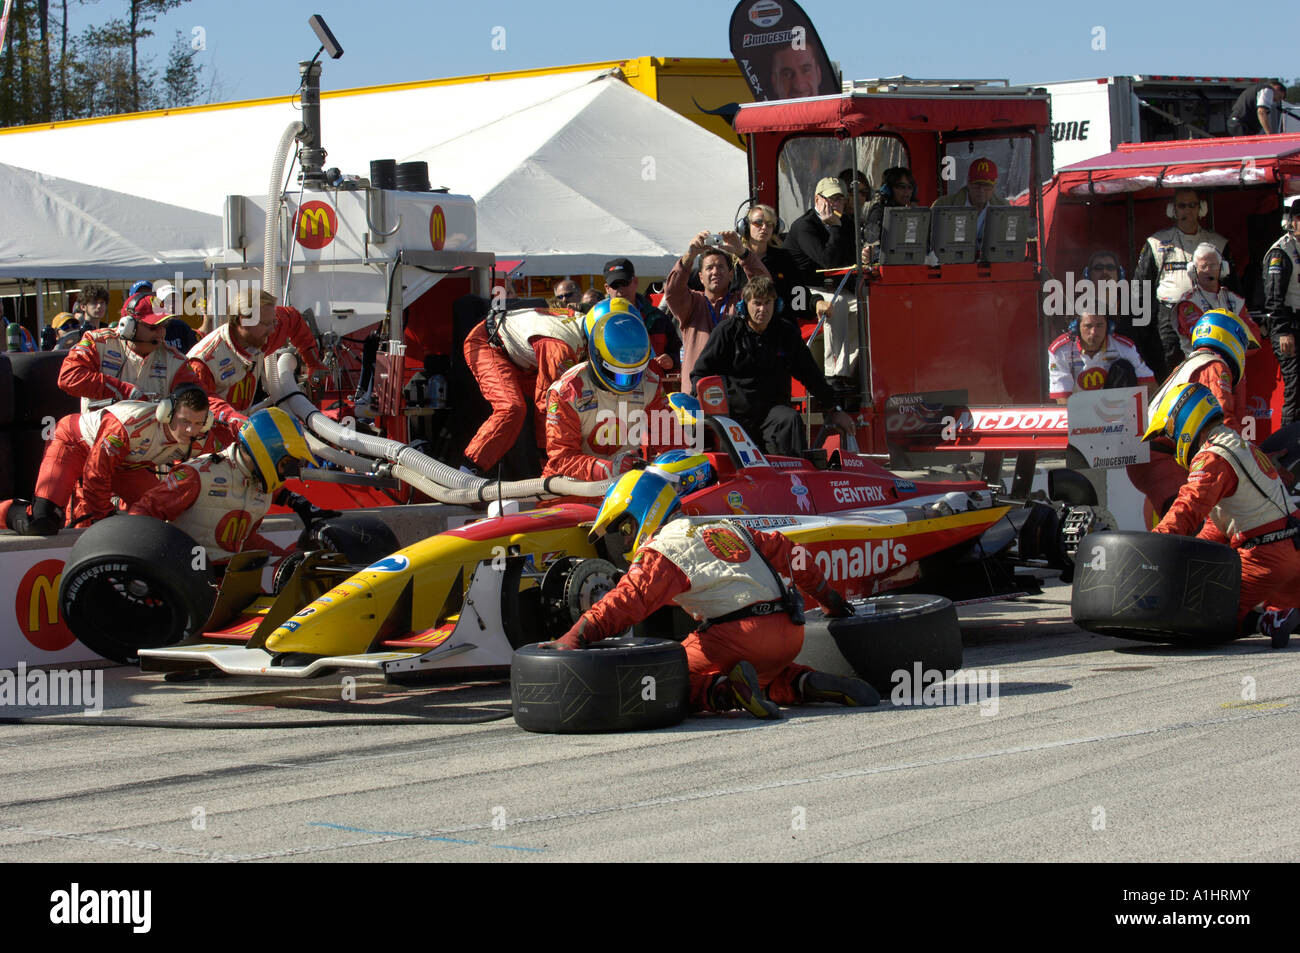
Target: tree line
48, 73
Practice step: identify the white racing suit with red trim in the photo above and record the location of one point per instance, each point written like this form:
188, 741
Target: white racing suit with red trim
1070, 368
101, 366
1161, 478
587, 426
1197, 301
292, 328
531, 351
1233, 492
712, 570
215, 501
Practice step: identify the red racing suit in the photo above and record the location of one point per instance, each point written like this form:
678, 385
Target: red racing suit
215, 501
291, 327
535, 348
1160, 480
710, 570
102, 366
587, 426
102, 453
1233, 491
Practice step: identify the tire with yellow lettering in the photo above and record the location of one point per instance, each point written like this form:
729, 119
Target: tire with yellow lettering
623, 684
134, 582
1153, 587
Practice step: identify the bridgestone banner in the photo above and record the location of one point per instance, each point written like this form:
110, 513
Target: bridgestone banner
779, 51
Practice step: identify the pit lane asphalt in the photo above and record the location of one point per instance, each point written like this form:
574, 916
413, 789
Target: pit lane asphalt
1100, 750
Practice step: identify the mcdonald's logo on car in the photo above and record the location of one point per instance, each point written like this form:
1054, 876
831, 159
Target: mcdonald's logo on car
36, 607
317, 224
232, 528
437, 228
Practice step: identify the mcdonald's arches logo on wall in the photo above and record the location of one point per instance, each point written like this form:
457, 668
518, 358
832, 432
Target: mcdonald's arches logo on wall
36, 607
316, 224
437, 228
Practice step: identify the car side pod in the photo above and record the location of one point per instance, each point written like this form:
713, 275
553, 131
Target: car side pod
1153, 587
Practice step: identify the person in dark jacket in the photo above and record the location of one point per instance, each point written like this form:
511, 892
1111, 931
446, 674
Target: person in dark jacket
757, 353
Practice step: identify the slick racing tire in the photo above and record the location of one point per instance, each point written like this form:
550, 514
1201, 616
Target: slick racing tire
888, 634
1153, 587
625, 684
130, 583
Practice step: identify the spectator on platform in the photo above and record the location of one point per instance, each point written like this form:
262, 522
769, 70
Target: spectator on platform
666, 345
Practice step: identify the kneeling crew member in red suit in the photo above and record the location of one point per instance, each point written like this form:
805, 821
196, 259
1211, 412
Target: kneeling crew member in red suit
724, 575
1233, 490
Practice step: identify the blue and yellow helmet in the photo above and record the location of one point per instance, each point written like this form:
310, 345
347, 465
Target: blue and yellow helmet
1182, 414
618, 351
277, 446
643, 500
603, 307
1228, 336
686, 409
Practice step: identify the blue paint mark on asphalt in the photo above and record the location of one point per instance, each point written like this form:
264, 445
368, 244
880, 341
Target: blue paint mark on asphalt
409, 835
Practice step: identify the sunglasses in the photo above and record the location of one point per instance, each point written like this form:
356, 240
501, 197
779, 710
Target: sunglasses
760, 223
568, 295
618, 285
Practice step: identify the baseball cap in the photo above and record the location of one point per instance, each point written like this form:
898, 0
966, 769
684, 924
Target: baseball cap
982, 170
619, 269
830, 186
141, 307
62, 318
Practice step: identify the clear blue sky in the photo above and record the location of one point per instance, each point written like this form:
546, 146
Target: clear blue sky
253, 44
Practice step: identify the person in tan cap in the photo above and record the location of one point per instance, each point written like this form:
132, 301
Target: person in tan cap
979, 192
819, 239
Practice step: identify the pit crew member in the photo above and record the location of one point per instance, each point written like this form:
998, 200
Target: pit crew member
1207, 271
758, 351
593, 409
1162, 265
116, 450
1282, 303
228, 360
1232, 489
221, 499
1218, 361
516, 356
127, 362
727, 577
1089, 356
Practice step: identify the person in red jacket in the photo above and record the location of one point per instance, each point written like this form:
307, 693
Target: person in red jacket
1220, 341
221, 499
114, 451
516, 357
1233, 492
729, 579
598, 413
228, 360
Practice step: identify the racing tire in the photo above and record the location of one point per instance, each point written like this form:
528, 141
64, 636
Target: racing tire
129, 583
893, 633
362, 538
625, 684
1153, 587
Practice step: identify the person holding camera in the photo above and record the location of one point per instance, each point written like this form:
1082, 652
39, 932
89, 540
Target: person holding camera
698, 312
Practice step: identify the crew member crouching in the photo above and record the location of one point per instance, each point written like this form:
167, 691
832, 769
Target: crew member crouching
221, 499
726, 576
594, 408
114, 451
1232, 489
1220, 341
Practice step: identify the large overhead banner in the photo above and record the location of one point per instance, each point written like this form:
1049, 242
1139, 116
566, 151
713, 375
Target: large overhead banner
779, 52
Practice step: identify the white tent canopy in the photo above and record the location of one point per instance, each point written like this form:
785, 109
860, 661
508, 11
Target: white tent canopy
57, 228
568, 169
